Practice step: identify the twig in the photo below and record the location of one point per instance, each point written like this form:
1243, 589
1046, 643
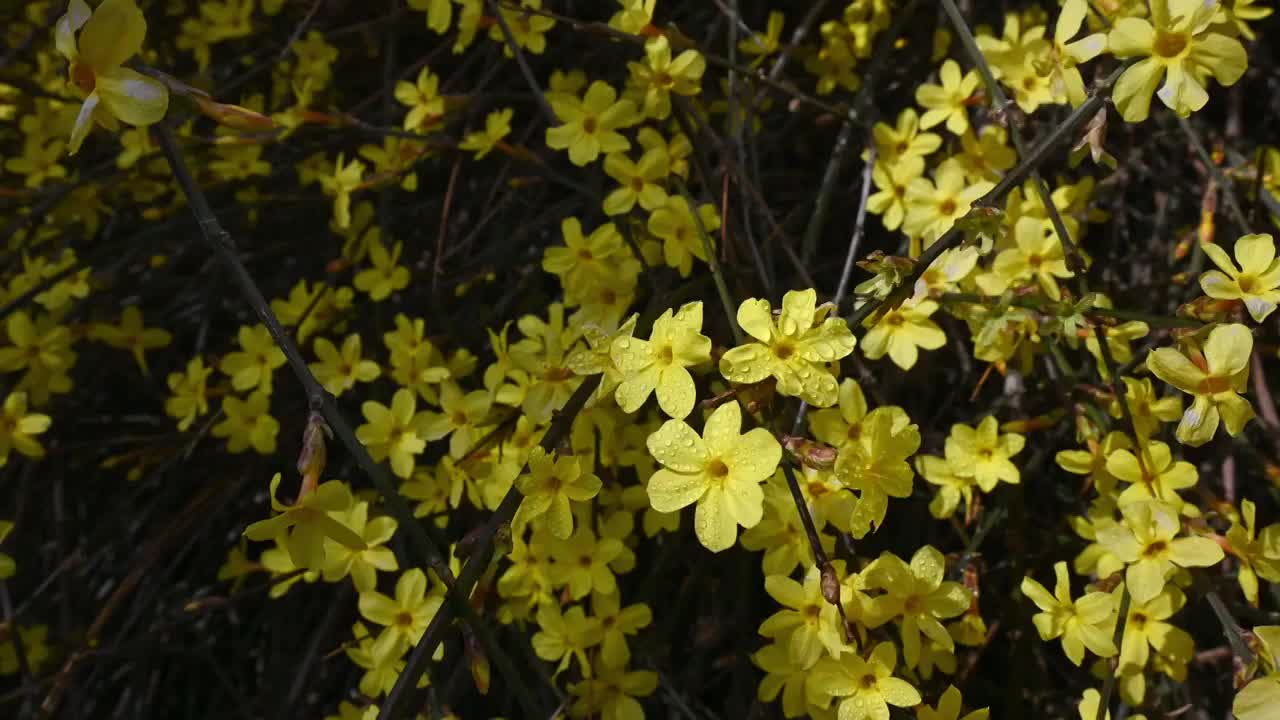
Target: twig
1228, 190
858, 224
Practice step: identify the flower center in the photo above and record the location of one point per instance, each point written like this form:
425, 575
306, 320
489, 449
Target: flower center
589, 125
404, 619
1169, 45
948, 207
1155, 549
783, 351
717, 469
83, 77
1249, 284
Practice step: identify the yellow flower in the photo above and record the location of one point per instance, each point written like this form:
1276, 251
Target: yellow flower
346, 179
791, 349
248, 423
394, 432
339, 371
766, 44
439, 13
875, 465
1145, 541
948, 708
308, 523
902, 331
952, 488
634, 16
527, 29
132, 336
252, 366
984, 453
660, 362
1157, 477
1081, 624
720, 471
637, 181
948, 102
1037, 256
660, 75
932, 207
866, 687
386, 276
43, 349
809, 624
189, 400
591, 124
1145, 629
1147, 410
565, 638
918, 595
362, 564
423, 100
549, 486
1255, 282
584, 261
404, 617
1066, 54
904, 140
681, 237
109, 35
1214, 379
891, 181
18, 428
1258, 556
497, 125
618, 622
611, 691
1178, 46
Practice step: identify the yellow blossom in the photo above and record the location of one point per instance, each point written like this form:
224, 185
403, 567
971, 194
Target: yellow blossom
591, 124
660, 363
251, 367
661, 75
866, 686
948, 102
1179, 46
1214, 379
548, 487
18, 428
109, 35
1146, 543
902, 331
1256, 282
720, 471
983, 453
793, 349
308, 523
189, 400
1082, 623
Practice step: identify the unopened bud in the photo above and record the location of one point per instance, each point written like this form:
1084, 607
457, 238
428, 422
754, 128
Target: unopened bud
830, 585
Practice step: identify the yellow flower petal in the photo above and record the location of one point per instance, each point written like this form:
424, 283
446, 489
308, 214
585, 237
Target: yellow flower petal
133, 97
